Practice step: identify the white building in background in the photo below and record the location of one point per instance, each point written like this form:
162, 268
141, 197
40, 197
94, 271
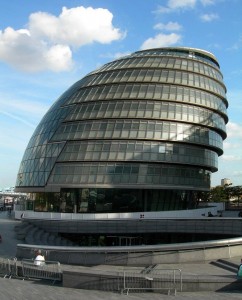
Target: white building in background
226, 181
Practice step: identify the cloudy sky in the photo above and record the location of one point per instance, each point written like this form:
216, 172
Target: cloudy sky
45, 46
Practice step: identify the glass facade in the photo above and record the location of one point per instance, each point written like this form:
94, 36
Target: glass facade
93, 200
149, 125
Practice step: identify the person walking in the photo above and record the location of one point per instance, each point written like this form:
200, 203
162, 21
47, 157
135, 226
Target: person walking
39, 259
239, 274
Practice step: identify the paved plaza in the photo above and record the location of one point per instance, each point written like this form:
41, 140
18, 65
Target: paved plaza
18, 289
13, 289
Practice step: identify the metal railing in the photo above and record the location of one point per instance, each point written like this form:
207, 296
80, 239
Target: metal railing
135, 280
163, 279
48, 270
136, 255
8, 267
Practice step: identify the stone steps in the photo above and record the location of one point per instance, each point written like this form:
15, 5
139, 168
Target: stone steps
34, 235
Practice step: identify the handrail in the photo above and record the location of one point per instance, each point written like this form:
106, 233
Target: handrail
141, 248
161, 279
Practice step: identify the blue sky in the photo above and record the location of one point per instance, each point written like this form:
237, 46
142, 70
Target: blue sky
47, 45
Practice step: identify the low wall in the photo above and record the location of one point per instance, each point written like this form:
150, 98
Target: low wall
137, 255
204, 210
215, 225
107, 281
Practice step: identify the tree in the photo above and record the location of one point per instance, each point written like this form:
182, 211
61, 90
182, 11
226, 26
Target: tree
236, 192
218, 194
221, 194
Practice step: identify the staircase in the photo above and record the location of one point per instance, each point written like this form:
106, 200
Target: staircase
33, 235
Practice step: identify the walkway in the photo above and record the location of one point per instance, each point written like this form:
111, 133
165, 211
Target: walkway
12, 289
9, 243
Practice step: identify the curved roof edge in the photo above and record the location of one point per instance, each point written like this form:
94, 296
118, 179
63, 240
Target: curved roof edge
196, 50
187, 49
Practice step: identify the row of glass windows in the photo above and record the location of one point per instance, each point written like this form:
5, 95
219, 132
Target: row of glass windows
48, 126
165, 62
89, 200
95, 173
188, 54
149, 92
158, 76
46, 150
33, 178
121, 151
70, 91
135, 146
44, 164
154, 130
115, 174
146, 110
41, 158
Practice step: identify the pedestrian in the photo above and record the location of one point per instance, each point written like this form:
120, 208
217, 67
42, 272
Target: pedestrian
39, 259
239, 274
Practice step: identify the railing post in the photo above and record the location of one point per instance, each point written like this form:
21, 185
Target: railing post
124, 282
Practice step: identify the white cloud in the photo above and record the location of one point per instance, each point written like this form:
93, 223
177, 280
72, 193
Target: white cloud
178, 5
170, 26
209, 17
75, 26
234, 130
115, 55
23, 51
46, 43
237, 173
58, 58
232, 157
161, 40
121, 54
234, 97
173, 5
17, 118
207, 2
230, 145
23, 108
17, 48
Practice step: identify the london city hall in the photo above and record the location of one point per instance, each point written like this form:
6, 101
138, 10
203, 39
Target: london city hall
141, 134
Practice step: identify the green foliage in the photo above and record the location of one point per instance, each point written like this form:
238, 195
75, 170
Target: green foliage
218, 194
224, 193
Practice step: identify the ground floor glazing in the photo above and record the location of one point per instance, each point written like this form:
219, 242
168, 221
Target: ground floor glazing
95, 200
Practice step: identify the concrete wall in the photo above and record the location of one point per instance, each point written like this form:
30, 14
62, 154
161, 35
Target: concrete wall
218, 226
107, 281
203, 211
137, 255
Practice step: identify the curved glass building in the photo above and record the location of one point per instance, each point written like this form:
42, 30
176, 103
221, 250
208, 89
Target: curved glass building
141, 133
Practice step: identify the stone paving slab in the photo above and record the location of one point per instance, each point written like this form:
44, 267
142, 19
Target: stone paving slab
15, 289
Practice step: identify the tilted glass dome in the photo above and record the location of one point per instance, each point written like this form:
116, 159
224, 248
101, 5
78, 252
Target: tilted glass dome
152, 120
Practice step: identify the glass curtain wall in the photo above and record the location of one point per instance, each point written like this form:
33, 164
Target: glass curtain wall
91, 200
